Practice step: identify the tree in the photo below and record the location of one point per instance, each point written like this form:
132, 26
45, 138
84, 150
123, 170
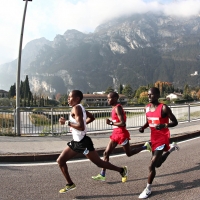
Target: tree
109, 89
140, 90
144, 94
186, 92
143, 100
128, 91
120, 89
198, 94
12, 91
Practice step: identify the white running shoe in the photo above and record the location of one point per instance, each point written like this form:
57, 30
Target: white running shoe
174, 147
145, 194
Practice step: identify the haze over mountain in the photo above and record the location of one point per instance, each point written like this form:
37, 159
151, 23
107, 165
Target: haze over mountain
135, 50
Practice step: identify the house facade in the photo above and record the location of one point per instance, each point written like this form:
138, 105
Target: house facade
101, 99
3, 93
174, 96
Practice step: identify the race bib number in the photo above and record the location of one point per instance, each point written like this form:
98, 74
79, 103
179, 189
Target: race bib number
153, 121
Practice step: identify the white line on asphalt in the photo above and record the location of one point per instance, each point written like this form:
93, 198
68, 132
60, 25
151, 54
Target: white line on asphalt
72, 161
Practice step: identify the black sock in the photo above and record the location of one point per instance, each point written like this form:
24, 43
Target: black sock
70, 184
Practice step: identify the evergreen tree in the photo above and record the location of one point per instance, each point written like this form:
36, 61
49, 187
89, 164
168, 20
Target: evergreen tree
128, 91
109, 89
12, 91
29, 99
22, 89
120, 89
47, 101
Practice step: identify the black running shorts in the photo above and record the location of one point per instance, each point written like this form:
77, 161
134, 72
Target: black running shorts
84, 146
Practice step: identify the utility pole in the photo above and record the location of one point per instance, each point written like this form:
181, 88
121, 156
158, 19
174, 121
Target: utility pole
18, 125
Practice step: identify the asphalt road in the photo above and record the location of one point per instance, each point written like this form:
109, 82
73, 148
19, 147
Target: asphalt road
178, 178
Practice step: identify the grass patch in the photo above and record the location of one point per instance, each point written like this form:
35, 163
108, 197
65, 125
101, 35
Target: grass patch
7, 132
194, 115
6, 120
39, 120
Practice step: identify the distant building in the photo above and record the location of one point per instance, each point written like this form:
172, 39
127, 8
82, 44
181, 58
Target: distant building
195, 73
3, 93
102, 92
101, 99
174, 96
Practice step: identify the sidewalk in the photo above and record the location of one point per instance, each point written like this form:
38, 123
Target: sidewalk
29, 149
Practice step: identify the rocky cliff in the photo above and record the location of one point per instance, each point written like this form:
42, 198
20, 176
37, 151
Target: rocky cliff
135, 50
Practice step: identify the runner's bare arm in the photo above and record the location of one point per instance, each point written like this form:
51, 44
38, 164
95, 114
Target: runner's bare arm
141, 129
90, 117
171, 116
167, 112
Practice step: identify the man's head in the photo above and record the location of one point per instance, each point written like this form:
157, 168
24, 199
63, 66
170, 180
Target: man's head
153, 95
112, 98
75, 97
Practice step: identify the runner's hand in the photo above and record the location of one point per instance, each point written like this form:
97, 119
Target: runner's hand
62, 120
160, 126
141, 129
108, 121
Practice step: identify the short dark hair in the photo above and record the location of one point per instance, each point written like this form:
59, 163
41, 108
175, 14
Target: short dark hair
115, 94
78, 93
156, 90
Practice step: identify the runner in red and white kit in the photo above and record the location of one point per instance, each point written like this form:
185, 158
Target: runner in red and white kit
158, 116
120, 134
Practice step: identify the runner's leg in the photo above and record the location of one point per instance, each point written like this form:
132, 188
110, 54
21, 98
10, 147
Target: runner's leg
157, 155
129, 152
94, 157
163, 158
66, 155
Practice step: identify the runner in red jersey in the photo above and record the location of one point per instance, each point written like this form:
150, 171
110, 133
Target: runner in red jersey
158, 116
158, 137
120, 134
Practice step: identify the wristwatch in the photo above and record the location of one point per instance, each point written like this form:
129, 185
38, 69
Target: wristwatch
67, 122
111, 123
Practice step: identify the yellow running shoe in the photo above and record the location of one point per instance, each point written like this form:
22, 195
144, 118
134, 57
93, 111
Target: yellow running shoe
68, 188
99, 177
124, 174
148, 146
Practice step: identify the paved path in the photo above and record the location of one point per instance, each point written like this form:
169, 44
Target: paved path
177, 179
28, 149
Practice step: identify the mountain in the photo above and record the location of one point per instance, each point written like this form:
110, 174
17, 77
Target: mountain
135, 50
7, 77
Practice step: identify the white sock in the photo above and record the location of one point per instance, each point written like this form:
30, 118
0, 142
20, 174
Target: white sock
148, 186
172, 149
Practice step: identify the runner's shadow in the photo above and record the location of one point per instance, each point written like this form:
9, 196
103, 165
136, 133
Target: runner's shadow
196, 168
178, 186
102, 196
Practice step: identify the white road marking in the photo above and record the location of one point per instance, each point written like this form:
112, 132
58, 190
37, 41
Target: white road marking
72, 161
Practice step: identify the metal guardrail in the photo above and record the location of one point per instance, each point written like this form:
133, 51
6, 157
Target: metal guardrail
44, 120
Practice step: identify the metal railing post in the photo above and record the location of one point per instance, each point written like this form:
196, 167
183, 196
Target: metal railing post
52, 121
15, 122
188, 112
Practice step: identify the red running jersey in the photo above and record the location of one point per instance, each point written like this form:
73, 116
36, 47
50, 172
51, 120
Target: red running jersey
158, 137
120, 134
114, 114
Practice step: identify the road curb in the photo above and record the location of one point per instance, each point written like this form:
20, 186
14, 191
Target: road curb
41, 157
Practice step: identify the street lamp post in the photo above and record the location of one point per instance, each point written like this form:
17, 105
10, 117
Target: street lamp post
18, 73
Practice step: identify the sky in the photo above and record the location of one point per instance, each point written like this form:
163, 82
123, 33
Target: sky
47, 18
